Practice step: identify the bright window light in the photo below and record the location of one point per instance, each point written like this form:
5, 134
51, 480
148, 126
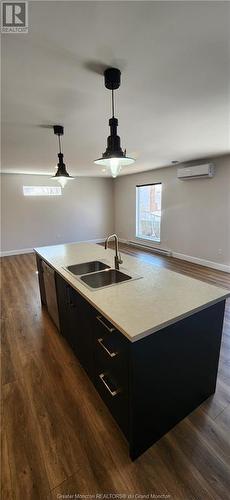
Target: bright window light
148, 212
42, 191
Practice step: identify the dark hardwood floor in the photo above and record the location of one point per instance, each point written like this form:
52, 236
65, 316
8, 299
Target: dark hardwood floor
58, 438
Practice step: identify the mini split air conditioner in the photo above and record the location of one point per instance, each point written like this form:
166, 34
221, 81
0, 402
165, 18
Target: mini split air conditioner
196, 171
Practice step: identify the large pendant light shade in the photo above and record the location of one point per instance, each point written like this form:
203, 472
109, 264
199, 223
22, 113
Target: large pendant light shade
113, 158
61, 175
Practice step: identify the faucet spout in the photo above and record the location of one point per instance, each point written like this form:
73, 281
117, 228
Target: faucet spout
117, 259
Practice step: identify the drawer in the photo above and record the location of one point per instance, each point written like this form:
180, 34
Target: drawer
117, 365
111, 351
110, 341
114, 395
111, 364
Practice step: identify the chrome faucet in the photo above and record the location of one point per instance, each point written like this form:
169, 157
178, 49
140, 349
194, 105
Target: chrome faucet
117, 259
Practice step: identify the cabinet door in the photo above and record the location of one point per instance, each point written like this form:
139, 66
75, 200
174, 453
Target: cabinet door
75, 316
81, 314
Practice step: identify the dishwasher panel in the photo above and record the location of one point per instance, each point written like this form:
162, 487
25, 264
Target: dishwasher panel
51, 295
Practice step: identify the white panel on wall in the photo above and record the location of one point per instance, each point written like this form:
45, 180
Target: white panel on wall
42, 190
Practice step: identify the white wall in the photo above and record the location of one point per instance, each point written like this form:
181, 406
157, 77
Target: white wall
83, 212
195, 214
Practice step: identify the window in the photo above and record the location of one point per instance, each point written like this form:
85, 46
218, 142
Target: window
148, 211
42, 191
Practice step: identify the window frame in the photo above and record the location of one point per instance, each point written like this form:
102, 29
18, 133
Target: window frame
137, 235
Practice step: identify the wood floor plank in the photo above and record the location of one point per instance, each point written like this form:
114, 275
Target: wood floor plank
8, 373
28, 474
198, 451
223, 421
186, 481
51, 430
6, 484
212, 434
219, 401
58, 436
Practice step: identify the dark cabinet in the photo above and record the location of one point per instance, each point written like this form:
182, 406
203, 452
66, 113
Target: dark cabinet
81, 320
76, 316
148, 385
101, 350
63, 307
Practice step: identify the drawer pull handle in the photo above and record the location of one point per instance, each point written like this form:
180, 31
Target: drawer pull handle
111, 354
111, 329
113, 393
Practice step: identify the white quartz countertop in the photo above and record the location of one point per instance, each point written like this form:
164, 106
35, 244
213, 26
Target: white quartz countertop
139, 307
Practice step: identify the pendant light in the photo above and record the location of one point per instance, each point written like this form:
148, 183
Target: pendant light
61, 175
113, 158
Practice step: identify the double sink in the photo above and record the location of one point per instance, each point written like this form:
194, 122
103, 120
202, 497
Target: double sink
97, 274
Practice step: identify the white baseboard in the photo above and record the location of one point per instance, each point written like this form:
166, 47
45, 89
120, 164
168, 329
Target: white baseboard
182, 256
20, 251
159, 250
202, 262
96, 240
5, 253
146, 246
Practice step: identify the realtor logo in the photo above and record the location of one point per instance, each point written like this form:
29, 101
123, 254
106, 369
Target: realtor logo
14, 17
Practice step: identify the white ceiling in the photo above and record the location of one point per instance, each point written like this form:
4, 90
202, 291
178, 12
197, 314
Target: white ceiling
173, 103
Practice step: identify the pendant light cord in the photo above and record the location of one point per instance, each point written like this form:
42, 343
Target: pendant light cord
113, 103
59, 141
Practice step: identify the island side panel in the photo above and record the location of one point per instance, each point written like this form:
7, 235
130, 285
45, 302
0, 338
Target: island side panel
172, 372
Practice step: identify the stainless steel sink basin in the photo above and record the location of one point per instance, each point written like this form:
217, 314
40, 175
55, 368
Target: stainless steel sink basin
105, 278
87, 267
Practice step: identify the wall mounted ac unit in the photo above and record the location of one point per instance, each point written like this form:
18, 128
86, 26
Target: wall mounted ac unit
196, 171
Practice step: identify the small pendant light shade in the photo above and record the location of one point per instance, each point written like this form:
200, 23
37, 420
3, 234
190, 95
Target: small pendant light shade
61, 175
113, 158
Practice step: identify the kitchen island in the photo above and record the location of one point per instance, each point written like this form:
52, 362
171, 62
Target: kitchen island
150, 345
